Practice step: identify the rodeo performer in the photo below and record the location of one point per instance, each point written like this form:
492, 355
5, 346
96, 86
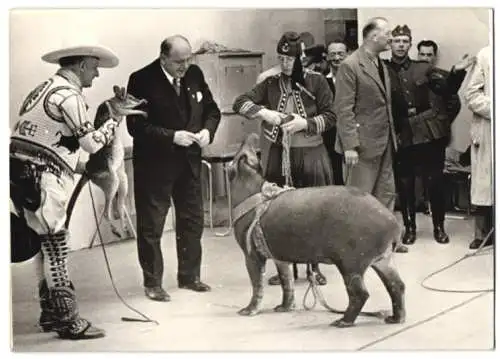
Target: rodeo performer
45, 145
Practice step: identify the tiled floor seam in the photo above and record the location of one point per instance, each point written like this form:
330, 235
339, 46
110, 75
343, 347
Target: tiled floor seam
423, 321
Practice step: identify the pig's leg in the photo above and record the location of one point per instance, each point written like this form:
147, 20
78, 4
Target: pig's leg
358, 295
288, 303
396, 288
255, 268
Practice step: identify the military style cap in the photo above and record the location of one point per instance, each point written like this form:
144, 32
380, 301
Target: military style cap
401, 31
289, 44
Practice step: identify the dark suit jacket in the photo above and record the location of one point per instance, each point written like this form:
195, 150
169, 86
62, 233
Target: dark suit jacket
330, 135
153, 136
363, 107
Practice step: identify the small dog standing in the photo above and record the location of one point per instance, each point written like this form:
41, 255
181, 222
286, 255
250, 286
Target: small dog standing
106, 168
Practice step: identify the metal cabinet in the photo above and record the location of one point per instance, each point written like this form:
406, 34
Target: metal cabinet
228, 75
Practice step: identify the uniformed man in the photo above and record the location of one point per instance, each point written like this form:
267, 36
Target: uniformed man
427, 51
424, 104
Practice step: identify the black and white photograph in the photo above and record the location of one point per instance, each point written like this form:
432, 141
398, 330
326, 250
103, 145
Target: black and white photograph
242, 178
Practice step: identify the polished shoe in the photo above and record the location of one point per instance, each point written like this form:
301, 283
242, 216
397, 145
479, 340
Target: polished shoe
197, 286
440, 235
157, 293
79, 329
410, 236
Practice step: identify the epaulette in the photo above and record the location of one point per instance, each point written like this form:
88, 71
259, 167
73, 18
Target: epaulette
308, 71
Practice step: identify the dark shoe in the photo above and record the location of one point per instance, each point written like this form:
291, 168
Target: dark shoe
320, 279
157, 293
197, 286
440, 235
399, 248
80, 329
410, 236
275, 280
476, 243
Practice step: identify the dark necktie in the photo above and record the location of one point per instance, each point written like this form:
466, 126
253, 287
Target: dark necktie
381, 71
177, 86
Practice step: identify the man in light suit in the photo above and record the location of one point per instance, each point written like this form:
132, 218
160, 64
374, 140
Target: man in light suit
365, 128
479, 100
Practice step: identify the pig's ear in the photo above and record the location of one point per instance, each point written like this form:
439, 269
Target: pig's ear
242, 160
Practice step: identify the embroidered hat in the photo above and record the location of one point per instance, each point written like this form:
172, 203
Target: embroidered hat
289, 44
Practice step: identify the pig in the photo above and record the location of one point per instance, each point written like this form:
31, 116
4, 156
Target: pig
337, 225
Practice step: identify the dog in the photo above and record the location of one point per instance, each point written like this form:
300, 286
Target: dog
106, 167
331, 224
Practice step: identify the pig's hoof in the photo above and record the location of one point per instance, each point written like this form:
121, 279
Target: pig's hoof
248, 311
341, 323
394, 319
284, 308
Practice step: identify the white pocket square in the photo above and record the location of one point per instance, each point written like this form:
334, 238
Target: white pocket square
199, 96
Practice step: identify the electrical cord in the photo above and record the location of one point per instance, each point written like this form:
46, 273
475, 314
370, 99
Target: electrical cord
125, 319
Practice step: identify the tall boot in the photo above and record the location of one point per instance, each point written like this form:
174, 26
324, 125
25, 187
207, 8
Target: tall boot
58, 299
437, 198
408, 210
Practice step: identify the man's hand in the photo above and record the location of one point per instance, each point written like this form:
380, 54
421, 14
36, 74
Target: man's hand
465, 62
184, 138
271, 117
297, 124
203, 138
351, 157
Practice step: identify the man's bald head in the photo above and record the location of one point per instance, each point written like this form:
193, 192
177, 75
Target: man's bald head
377, 34
174, 43
176, 55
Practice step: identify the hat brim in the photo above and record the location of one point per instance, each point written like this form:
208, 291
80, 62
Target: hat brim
105, 56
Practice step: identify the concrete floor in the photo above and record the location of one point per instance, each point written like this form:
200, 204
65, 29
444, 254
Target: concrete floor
209, 322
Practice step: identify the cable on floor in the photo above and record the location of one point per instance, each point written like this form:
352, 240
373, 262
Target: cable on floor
125, 319
477, 252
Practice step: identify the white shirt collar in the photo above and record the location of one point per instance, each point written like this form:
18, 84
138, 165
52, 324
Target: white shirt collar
169, 77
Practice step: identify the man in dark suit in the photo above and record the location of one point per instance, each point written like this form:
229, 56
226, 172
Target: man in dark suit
365, 129
336, 53
182, 119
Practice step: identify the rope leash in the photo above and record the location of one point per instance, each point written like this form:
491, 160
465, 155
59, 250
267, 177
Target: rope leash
125, 319
286, 167
468, 255
317, 296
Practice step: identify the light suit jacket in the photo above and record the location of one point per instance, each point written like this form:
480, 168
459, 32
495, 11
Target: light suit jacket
478, 99
363, 107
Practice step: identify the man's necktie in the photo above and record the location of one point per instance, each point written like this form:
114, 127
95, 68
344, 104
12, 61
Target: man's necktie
177, 86
381, 71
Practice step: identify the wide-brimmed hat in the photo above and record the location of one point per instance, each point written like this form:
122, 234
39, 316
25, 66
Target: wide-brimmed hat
105, 56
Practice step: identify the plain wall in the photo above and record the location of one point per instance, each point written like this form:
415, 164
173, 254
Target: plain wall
135, 35
457, 31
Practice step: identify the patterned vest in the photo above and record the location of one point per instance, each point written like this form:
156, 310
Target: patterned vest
41, 134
